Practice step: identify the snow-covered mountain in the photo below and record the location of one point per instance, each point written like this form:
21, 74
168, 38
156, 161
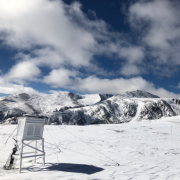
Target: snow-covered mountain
44, 104
70, 108
137, 94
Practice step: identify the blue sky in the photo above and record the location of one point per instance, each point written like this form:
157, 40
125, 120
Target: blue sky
86, 46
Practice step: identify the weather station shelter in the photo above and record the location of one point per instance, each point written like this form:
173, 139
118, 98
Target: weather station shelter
30, 129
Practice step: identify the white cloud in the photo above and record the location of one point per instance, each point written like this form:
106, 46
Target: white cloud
25, 70
159, 28
49, 23
64, 33
11, 88
93, 84
66, 36
163, 16
130, 70
132, 54
60, 77
134, 57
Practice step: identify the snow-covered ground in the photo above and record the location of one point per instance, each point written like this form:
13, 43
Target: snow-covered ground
145, 150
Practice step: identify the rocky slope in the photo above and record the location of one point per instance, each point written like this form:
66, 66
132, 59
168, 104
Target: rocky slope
70, 108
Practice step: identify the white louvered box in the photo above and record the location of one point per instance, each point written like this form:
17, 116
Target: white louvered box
30, 128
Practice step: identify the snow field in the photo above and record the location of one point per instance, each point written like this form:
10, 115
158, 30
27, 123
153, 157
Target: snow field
145, 150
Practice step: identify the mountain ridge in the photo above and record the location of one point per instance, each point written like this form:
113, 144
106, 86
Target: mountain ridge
70, 108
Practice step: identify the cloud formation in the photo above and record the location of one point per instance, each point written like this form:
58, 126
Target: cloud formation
12, 88
158, 25
45, 23
25, 70
62, 34
93, 84
64, 40
60, 78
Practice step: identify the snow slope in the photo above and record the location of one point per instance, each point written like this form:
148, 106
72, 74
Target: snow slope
118, 110
145, 150
137, 94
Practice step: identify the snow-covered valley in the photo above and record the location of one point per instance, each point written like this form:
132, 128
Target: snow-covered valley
145, 150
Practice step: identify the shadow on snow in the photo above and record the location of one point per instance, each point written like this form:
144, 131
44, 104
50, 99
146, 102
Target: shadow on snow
67, 167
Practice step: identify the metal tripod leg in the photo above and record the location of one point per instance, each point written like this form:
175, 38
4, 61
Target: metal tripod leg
20, 154
43, 151
35, 150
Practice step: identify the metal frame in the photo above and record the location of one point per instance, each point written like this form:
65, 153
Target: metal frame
23, 145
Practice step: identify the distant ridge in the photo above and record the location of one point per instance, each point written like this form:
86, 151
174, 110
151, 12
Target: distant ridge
138, 94
74, 109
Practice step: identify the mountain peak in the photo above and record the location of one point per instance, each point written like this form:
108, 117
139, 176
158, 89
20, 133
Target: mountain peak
138, 94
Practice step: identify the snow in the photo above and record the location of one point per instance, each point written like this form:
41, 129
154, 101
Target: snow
145, 150
140, 105
89, 99
137, 94
70, 108
45, 103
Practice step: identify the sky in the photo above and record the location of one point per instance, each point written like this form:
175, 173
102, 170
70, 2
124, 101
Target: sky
89, 46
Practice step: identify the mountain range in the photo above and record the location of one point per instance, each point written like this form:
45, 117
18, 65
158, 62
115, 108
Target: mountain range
74, 109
